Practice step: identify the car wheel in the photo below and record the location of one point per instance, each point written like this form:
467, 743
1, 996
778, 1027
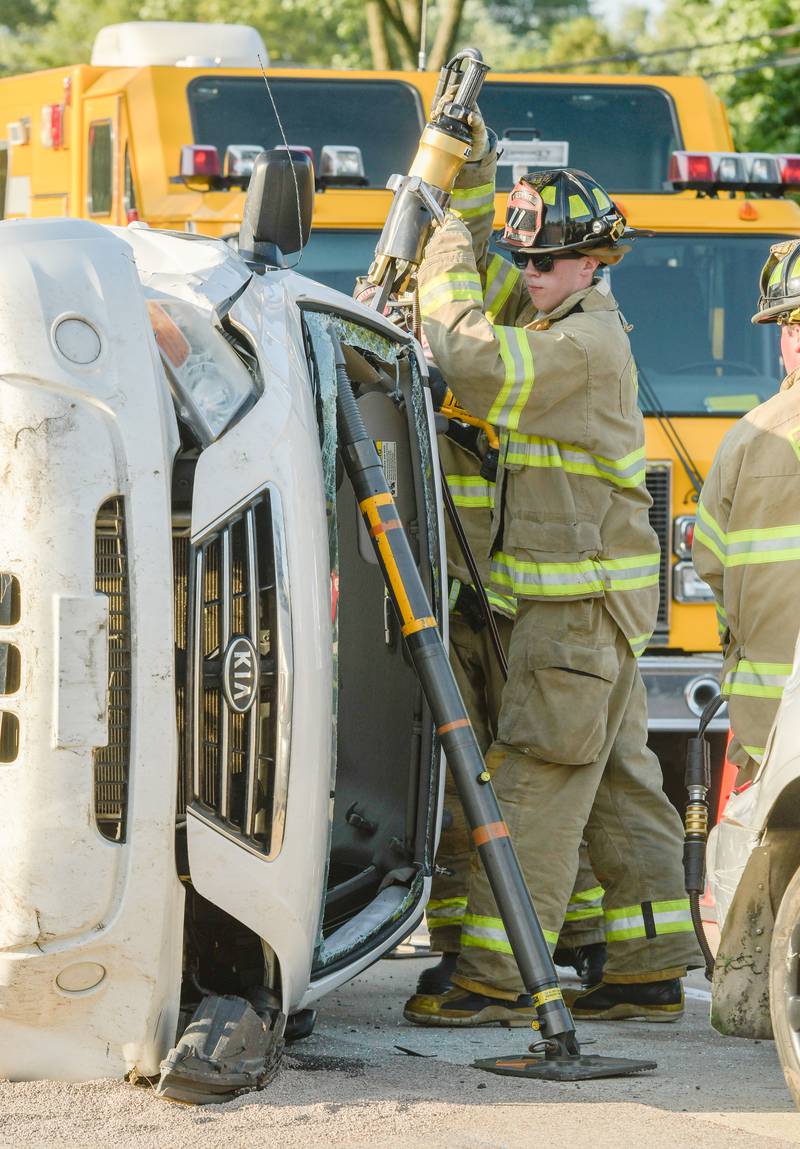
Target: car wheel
784, 985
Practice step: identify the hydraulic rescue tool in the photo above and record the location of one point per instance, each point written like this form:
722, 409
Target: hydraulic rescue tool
556, 1056
420, 198
419, 202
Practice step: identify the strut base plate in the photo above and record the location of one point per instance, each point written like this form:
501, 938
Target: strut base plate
581, 1068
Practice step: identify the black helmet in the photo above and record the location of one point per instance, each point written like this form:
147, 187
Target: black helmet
780, 285
558, 210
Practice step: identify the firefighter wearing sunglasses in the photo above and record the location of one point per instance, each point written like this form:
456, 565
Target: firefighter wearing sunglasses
538, 348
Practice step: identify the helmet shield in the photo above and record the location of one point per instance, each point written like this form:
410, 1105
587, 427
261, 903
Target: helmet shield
779, 300
560, 209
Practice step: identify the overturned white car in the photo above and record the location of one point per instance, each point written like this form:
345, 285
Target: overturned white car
754, 871
218, 775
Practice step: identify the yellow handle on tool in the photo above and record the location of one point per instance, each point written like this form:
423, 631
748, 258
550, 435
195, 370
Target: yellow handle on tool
452, 409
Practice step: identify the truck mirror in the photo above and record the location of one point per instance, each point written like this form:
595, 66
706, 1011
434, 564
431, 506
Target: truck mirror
281, 190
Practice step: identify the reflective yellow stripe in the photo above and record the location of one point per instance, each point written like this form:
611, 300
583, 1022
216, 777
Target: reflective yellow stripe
517, 357
757, 679
450, 287
756, 752
490, 934
585, 904
501, 278
638, 644
522, 576
441, 912
747, 547
535, 451
469, 203
627, 923
471, 491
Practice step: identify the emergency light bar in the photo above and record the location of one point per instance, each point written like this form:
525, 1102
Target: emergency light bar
735, 171
341, 166
199, 160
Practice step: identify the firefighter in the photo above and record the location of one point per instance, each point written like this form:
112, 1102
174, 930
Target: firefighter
466, 460
571, 540
748, 530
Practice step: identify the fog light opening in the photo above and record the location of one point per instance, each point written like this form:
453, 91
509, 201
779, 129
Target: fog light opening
699, 692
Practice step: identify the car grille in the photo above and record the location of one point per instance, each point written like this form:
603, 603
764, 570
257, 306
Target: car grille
180, 569
659, 484
239, 601
112, 762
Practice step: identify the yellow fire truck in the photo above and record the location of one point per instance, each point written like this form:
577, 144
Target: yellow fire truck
143, 134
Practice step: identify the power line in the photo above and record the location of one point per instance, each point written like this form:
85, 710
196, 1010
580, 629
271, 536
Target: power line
790, 61
632, 57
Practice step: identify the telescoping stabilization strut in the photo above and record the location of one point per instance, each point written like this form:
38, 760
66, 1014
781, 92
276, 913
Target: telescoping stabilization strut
557, 1054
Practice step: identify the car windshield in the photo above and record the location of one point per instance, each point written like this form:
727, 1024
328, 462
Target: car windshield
622, 134
689, 299
381, 117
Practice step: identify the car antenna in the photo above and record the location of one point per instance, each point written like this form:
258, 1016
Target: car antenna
294, 173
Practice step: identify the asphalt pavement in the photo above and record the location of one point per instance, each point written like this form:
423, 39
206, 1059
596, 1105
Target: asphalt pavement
366, 1079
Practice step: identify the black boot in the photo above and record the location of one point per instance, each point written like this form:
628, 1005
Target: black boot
617, 1001
436, 979
587, 961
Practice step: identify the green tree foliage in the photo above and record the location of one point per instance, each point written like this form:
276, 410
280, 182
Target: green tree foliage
755, 72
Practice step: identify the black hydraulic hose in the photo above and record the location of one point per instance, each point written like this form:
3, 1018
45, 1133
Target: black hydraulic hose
430, 660
474, 574
698, 784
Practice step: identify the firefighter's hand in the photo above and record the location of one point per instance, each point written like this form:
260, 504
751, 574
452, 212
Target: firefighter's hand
480, 136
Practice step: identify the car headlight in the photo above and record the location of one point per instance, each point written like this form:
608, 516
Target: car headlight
687, 586
210, 383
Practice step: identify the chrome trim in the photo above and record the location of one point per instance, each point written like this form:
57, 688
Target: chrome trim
196, 671
226, 611
269, 734
284, 665
252, 734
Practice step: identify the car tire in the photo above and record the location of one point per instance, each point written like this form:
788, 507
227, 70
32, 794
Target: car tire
784, 985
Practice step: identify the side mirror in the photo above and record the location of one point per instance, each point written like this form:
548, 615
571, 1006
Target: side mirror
270, 226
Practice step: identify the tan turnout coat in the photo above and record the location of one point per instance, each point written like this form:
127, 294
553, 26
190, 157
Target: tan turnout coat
571, 507
747, 547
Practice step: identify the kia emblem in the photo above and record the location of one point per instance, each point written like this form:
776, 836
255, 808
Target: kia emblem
240, 674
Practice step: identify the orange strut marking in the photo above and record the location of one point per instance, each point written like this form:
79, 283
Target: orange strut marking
448, 726
416, 625
381, 528
484, 834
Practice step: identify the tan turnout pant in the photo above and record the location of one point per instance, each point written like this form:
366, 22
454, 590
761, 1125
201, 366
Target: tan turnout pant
570, 760
481, 684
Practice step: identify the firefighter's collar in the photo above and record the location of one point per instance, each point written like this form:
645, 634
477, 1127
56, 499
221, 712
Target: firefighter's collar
791, 380
596, 297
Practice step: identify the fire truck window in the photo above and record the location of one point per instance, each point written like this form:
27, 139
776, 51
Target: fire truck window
622, 135
381, 117
101, 173
129, 191
3, 176
337, 258
690, 298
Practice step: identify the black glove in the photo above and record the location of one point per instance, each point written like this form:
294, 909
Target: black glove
437, 385
467, 604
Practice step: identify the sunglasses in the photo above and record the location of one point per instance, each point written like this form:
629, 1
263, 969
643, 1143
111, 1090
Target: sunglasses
544, 262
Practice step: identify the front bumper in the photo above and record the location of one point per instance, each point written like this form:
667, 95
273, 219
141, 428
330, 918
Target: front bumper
678, 687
